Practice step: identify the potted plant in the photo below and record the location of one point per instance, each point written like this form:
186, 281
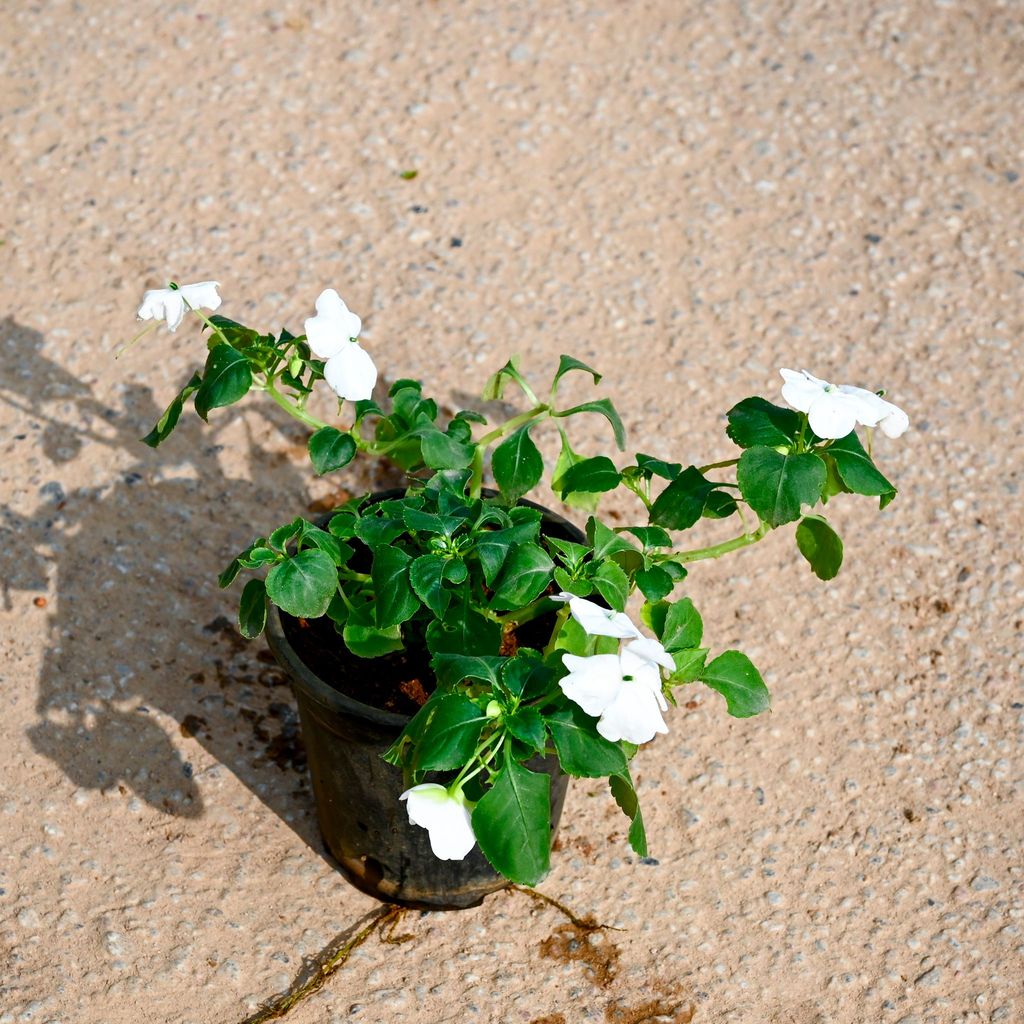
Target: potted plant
458, 650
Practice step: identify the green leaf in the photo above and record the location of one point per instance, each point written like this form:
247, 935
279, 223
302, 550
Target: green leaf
689, 665
604, 541
567, 363
396, 601
426, 574
777, 485
512, 823
495, 386
517, 464
528, 727
330, 449
567, 458
857, 471
252, 609
304, 584
755, 421
720, 505
582, 750
450, 734
463, 631
172, 413
492, 547
605, 408
226, 379
589, 476
612, 584
625, 796
681, 504
683, 626
524, 673
651, 467
454, 668
524, 577
654, 583
442, 451
279, 537
649, 536
821, 546
734, 676
365, 640
377, 531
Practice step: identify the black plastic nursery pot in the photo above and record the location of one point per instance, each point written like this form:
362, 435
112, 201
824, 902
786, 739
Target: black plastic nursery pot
363, 823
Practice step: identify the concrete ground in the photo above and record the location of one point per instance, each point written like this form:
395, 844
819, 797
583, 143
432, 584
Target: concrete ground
689, 195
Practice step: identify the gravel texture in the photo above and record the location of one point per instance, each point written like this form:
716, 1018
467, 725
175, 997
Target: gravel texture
688, 195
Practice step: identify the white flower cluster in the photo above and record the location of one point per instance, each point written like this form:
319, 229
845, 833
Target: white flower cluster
833, 410
331, 334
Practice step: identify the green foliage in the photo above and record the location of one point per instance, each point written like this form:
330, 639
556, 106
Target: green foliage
821, 546
777, 485
467, 575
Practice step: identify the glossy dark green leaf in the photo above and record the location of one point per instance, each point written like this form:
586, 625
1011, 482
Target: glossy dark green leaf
625, 796
172, 413
567, 458
365, 640
776, 486
450, 734
821, 546
517, 464
567, 363
525, 575
442, 451
454, 668
330, 449
612, 584
226, 379
605, 408
719, 505
689, 665
649, 536
755, 421
654, 583
605, 541
683, 626
426, 574
304, 584
582, 750
492, 546
858, 471
734, 676
377, 531
395, 600
682, 502
528, 727
252, 609
512, 823
649, 466
589, 476
463, 630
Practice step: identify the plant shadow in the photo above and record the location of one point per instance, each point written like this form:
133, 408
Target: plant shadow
137, 633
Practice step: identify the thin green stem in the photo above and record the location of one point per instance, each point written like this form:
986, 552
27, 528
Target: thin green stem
521, 615
539, 412
717, 465
717, 550
292, 409
464, 776
563, 614
206, 320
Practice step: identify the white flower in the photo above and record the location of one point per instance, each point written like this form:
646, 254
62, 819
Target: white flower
598, 621
623, 689
652, 651
445, 816
169, 303
332, 334
834, 410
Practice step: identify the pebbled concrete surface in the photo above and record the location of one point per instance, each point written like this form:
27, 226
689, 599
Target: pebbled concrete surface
687, 194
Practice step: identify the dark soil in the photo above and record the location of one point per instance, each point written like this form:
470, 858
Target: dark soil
400, 682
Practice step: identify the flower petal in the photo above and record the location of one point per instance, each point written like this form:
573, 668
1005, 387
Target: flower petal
894, 423
832, 414
598, 621
801, 388
650, 651
351, 373
445, 816
202, 295
592, 682
634, 716
333, 326
163, 304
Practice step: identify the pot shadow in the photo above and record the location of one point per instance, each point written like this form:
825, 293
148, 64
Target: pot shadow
136, 630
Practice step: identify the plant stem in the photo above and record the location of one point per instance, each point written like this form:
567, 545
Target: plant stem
715, 550
541, 411
206, 320
521, 615
292, 409
563, 614
717, 465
